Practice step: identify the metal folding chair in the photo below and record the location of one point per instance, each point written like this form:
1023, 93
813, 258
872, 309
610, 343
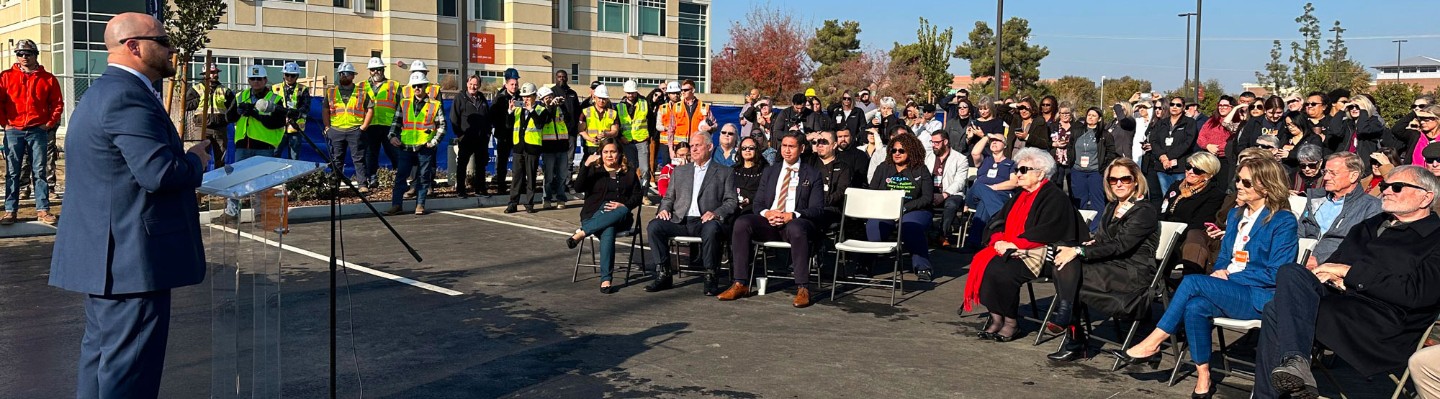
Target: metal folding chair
1170, 233
871, 204
636, 244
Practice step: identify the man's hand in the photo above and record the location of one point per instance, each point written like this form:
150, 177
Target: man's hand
1221, 274
708, 216
1336, 269
202, 150
1311, 263
395, 141
663, 215
612, 205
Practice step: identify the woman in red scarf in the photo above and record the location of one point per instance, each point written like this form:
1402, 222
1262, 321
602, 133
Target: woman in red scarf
1040, 217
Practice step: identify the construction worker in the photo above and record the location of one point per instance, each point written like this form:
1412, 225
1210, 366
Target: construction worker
555, 149
296, 98
259, 118
598, 120
416, 131
684, 114
506, 99
347, 115
527, 117
433, 89
31, 115
632, 113
206, 102
385, 96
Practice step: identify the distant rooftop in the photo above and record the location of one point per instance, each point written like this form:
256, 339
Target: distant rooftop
1419, 61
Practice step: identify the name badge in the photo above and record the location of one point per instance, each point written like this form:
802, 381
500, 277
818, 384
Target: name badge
1084, 162
992, 173
1169, 141
1241, 256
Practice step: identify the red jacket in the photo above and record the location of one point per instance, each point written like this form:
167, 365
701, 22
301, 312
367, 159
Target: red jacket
31, 99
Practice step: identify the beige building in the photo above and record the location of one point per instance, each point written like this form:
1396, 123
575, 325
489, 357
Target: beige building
607, 40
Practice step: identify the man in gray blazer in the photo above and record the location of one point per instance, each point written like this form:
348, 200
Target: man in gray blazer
138, 236
699, 200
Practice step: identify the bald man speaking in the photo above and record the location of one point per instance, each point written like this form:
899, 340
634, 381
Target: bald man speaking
138, 234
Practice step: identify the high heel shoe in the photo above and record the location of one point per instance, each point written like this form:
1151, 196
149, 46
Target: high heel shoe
1005, 338
984, 335
1208, 393
1127, 360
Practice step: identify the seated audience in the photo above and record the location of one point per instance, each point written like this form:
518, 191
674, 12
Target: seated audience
611, 190
950, 169
1369, 303
1259, 236
836, 173
747, 173
1425, 372
1040, 216
1307, 170
791, 202
1330, 212
992, 188
905, 171
699, 198
682, 156
1195, 200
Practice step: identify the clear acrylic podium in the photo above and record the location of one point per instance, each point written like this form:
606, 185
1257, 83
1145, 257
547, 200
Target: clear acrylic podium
243, 251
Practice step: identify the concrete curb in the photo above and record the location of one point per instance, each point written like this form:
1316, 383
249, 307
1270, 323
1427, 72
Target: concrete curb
27, 229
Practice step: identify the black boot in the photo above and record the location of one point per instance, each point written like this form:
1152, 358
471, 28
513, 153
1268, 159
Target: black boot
1072, 348
662, 282
1060, 317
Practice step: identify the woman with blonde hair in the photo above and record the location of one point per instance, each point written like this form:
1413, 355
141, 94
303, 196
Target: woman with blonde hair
1195, 200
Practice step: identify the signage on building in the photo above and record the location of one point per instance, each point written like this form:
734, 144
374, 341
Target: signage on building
482, 48
1005, 81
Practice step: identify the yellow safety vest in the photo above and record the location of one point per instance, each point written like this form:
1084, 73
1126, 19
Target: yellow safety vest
532, 135
292, 101
217, 98
385, 99
433, 90
252, 128
636, 128
346, 114
598, 124
418, 128
556, 129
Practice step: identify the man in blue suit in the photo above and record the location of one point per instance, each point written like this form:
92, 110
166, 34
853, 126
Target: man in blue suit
789, 204
139, 235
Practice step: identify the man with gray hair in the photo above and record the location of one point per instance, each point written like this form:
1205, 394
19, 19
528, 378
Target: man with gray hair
1331, 211
1369, 303
699, 198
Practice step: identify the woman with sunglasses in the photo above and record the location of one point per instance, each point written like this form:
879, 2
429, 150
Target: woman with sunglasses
1050, 110
1260, 235
747, 170
1111, 272
1020, 236
1309, 159
1028, 129
1091, 147
1416, 140
905, 170
1360, 130
726, 152
1172, 139
1195, 201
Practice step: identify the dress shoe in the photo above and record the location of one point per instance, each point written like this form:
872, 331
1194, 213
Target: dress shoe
1208, 393
662, 282
1127, 360
1294, 377
571, 242
985, 335
1072, 348
1005, 338
736, 291
462, 195
510, 209
394, 210
802, 297
925, 274
419, 209
712, 285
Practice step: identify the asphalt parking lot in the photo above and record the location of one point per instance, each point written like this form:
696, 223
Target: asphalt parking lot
494, 314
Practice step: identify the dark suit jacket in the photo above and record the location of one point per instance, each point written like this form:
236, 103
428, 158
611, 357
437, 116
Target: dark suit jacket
717, 192
809, 193
1181, 143
138, 229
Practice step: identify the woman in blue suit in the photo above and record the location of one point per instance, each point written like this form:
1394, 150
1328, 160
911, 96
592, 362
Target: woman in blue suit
1260, 235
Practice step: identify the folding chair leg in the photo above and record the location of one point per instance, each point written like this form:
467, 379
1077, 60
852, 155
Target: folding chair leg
1040, 335
1034, 311
1175, 371
1400, 384
897, 280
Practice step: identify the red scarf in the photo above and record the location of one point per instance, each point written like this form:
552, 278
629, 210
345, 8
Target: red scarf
1014, 227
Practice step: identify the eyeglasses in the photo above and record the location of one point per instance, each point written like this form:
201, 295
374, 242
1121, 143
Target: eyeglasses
1311, 104
1396, 187
163, 41
1067, 113
937, 142
819, 142
1247, 183
1177, 105
1026, 169
25, 54
1120, 180
747, 148
1266, 147
1310, 165
897, 150
1198, 171
727, 133
1224, 105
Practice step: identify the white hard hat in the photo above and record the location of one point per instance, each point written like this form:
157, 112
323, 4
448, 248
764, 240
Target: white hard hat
673, 87
345, 67
417, 78
290, 68
631, 86
375, 63
601, 92
264, 106
527, 89
544, 92
418, 65
255, 71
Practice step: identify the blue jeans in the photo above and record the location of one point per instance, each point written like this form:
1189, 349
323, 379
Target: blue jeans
422, 157
232, 207
637, 156
373, 141
1201, 298
912, 235
986, 202
1167, 179
289, 147
556, 169
605, 225
1087, 190
33, 143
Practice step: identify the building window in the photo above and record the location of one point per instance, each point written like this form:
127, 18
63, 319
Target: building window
574, 73
694, 51
341, 3
614, 16
372, 5
642, 82
230, 73
339, 56
447, 8
375, 53
652, 17
490, 10
273, 67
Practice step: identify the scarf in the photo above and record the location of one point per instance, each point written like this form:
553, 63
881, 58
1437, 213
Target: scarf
1014, 227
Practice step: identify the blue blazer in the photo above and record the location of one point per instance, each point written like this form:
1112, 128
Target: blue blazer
809, 193
133, 223
1271, 244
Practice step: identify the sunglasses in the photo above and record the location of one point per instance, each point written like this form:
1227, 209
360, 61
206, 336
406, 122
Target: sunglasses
1419, 106
1396, 187
686, 90
1247, 183
1177, 105
1432, 160
1022, 108
747, 148
1426, 119
898, 150
1292, 101
725, 133
1310, 165
1121, 180
1047, 105
819, 142
1266, 147
962, 107
1313, 104
25, 54
163, 41
1198, 171
1026, 169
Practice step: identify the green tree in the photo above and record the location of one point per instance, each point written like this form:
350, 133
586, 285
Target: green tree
1393, 99
1277, 75
188, 23
1020, 59
1120, 89
834, 44
931, 54
1079, 91
1212, 90
903, 74
1317, 69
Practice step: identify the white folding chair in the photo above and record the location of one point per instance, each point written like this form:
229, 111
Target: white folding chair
1297, 205
1307, 247
871, 204
762, 255
1170, 234
1088, 215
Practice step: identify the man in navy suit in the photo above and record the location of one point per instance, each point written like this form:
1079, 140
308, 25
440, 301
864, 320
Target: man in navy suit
788, 206
138, 236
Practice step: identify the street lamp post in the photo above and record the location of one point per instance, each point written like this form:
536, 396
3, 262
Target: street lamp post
1102, 95
999, 12
1397, 57
1186, 68
1199, 15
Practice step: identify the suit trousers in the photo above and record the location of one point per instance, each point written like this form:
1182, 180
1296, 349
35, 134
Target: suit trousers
1289, 323
1198, 301
522, 190
122, 353
755, 228
710, 233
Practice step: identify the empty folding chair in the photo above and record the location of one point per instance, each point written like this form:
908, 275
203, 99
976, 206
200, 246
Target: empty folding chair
871, 204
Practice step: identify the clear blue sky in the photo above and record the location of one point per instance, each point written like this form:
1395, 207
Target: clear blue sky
1144, 39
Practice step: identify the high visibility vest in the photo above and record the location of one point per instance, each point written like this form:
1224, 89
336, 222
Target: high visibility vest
598, 124
418, 127
634, 128
433, 90
385, 98
556, 129
216, 99
683, 122
292, 101
530, 132
346, 114
249, 127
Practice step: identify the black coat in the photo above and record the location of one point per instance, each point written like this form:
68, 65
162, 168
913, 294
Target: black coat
1407, 140
855, 122
1052, 220
837, 177
599, 188
1121, 262
469, 119
1365, 132
501, 121
1393, 294
1197, 209
1038, 135
1175, 141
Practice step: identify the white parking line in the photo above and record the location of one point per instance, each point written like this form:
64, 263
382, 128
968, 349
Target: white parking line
526, 226
352, 266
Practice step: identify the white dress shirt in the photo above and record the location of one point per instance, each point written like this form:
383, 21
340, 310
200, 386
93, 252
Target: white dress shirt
789, 206
699, 180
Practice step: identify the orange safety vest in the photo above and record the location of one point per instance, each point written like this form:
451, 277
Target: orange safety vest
683, 122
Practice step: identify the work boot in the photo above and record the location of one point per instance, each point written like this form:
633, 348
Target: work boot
419, 209
8, 219
511, 209
46, 218
394, 210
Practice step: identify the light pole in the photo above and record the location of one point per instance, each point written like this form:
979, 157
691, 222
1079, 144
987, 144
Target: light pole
1103, 105
999, 12
1186, 68
1198, 15
1397, 57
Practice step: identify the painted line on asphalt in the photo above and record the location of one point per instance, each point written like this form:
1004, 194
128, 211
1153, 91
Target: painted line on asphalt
352, 266
526, 226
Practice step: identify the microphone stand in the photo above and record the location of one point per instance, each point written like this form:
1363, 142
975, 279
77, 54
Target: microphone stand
337, 167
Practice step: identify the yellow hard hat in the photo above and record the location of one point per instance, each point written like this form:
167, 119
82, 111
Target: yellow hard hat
810, 92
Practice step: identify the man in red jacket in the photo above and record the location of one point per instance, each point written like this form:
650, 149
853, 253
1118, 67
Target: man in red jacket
31, 113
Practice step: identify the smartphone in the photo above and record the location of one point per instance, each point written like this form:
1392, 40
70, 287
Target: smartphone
1209, 225
1145, 97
